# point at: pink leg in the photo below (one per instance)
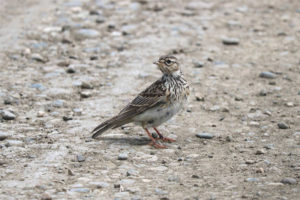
(153, 142)
(161, 137)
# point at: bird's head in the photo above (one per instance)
(168, 65)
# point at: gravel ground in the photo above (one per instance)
(68, 65)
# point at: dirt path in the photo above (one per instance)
(66, 66)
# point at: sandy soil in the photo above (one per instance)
(68, 65)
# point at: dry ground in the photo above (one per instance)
(68, 65)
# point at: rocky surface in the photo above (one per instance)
(65, 66)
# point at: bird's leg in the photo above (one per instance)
(153, 142)
(161, 137)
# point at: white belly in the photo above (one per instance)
(156, 116)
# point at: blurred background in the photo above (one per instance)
(67, 65)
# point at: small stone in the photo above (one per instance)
(289, 104)
(215, 108)
(99, 184)
(70, 70)
(230, 41)
(160, 191)
(290, 181)
(46, 197)
(198, 64)
(260, 170)
(269, 146)
(38, 86)
(85, 94)
(132, 172)
(249, 162)
(40, 113)
(80, 190)
(63, 63)
(70, 173)
(80, 158)
(67, 118)
(16, 143)
(38, 57)
(205, 135)
(260, 152)
(3, 136)
(10, 100)
(173, 179)
(269, 75)
(85, 85)
(195, 176)
(7, 115)
(123, 156)
(58, 103)
(82, 34)
(282, 125)
(252, 180)
(229, 138)
(199, 98)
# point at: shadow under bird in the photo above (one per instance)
(156, 104)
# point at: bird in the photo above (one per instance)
(156, 104)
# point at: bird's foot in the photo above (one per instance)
(165, 139)
(156, 145)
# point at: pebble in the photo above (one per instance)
(290, 104)
(198, 64)
(215, 108)
(160, 191)
(260, 152)
(38, 57)
(46, 197)
(249, 162)
(290, 181)
(80, 190)
(230, 41)
(70, 70)
(252, 180)
(3, 136)
(99, 184)
(205, 135)
(16, 143)
(123, 156)
(195, 176)
(58, 103)
(7, 115)
(85, 85)
(269, 75)
(282, 125)
(80, 158)
(40, 113)
(173, 179)
(37, 86)
(85, 94)
(82, 34)
(67, 118)
(132, 172)
(10, 100)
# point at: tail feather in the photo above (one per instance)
(114, 122)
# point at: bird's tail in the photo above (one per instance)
(111, 123)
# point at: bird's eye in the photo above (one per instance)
(168, 62)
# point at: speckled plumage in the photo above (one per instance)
(156, 104)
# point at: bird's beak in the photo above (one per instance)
(156, 63)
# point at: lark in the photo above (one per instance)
(156, 104)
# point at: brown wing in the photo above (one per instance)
(153, 95)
